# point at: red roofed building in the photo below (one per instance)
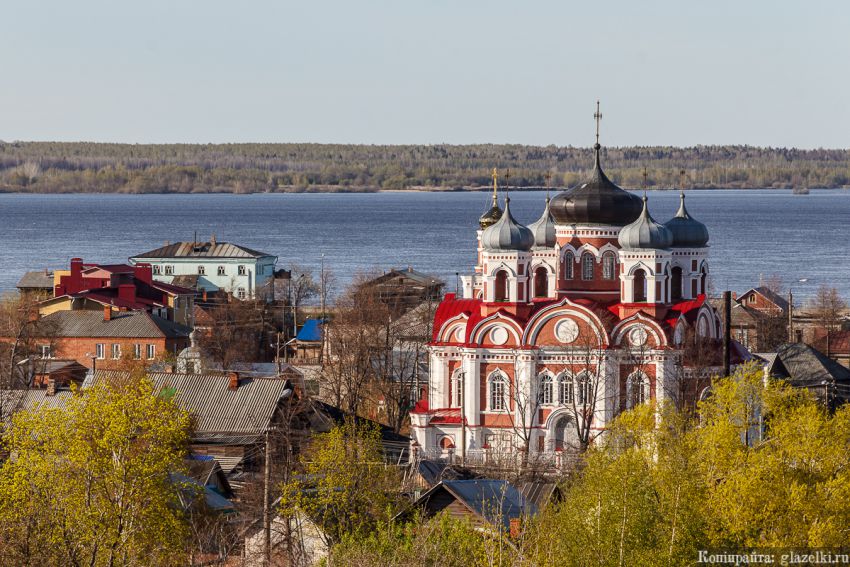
(119, 287)
(565, 323)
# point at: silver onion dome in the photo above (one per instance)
(687, 231)
(544, 229)
(507, 234)
(645, 233)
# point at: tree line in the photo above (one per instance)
(84, 167)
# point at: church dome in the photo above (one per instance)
(492, 215)
(596, 201)
(544, 229)
(645, 233)
(507, 234)
(687, 231)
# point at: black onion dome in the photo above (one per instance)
(544, 229)
(492, 215)
(687, 231)
(507, 234)
(645, 233)
(597, 201)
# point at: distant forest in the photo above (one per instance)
(81, 167)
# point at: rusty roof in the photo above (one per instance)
(202, 250)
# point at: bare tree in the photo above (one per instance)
(828, 307)
(587, 390)
(236, 333)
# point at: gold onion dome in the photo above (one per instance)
(645, 233)
(687, 231)
(507, 234)
(492, 216)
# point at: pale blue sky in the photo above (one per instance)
(437, 71)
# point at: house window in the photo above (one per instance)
(457, 389)
(241, 293)
(241, 270)
(565, 389)
(585, 389)
(156, 269)
(100, 351)
(169, 270)
(45, 351)
(137, 351)
(151, 351)
(587, 266)
(636, 390)
(609, 266)
(116, 351)
(569, 261)
(545, 397)
(498, 392)
(202, 270)
(221, 270)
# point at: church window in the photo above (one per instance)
(498, 392)
(501, 286)
(565, 389)
(587, 266)
(636, 390)
(609, 266)
(541, 282)
(545, 397)
(703, 280)
(585, 389)
(676, 283)
(457, 389)
(639, 283)
(569, 260)
(561, 433)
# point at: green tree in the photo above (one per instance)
(89, 484)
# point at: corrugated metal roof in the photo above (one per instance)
(221, 414)
(496, 500)
(201, 250)
(132, 324)
(36, 280)
(12, 401)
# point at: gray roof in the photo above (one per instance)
(645, 233)
(12, 401)
(507, 233)
(497, 501)
(544, 229)
(687, 231)
(201, 250)
(128, 324)
(222, 415)
(36, 280)
(804, 366)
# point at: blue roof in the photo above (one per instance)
(496, 500)
(311, 331)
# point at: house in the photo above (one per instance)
(215, 266)
(308, 342)
(493, 506)
(803, 366)
(36, 286)
(58, 372)
(834, 344)
(120, 287)
(404, 289)
(763, 299)
(106, 339)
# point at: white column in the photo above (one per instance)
(472, 390)
(526, 389)
(437, 381)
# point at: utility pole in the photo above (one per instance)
(277, 354)
(267, 524)
(727, 332)
(790, 317)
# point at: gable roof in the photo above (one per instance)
(311, 331)
(202, 250)
(410, 274)
(222, 414)
(129, 324)
(36, 280)
(769, 294)
(804, 366)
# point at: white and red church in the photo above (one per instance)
(577, 316)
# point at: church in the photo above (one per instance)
(564, 323)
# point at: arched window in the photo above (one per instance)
(457, 389)
(676, 284)
(565, 389)
(545, 395)
(587, 266)
(447, 443)
(585, 392)
(637, 387)
(703, 280)
(609, 266)
(639, 284)
(541, 282)
(498, 392)
(501, 286)
(569, 264)
(561, 427)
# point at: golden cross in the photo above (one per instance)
(495, 177)
(598, 116)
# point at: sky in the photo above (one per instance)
(767, 73)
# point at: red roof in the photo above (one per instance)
(445, 416)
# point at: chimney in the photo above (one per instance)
(516, 527)
(107, 313)
(212, 240)
(234, 381)
(127, 292)
(51, 387)
(205, 296)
